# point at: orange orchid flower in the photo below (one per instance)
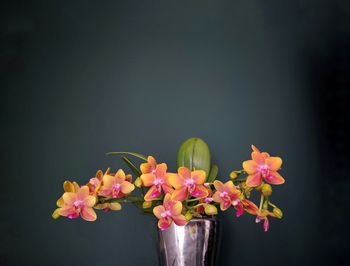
(67, 187)
(168, 212)
(79, 202)
(187, 183)
(228, 195)
(262, 214)
(116, 186)
(262, 166)
(154, 176)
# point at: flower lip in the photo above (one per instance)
(166, 213)
(158, 181)
(189, 182)
(223, 194)
(116, 186)
(78, 203)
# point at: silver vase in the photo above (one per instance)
(194, 244)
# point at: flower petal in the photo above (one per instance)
(274, 163)
(88, 214)
(274, 178)
(179, 194)
(90, 201)
(167, 189)
(120, 175)
(175, 207)
(148, 179)
(69, 198)
(177, 181)
(258, 157)
(250, 207)
(164, 223)
(216, 197)
(99, 175)
(184, 172)
(152, 193)
(108, 181)
(70, 212)
(126, 187)
(198, 176)
(60, 202)
(254, 180)
(83, 192)
(161, 170)
(230, 187)
(68, 186)
(149, 166)
(179, 220)
(255, 148)
(250, 166)
(200, 191)
(219, 186)
(158, 210)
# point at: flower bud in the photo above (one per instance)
(266, 205)
(147, 204)
(233, 175)
(188, 215)
(277, 212)
(266, 190)
(138, 182)
(210, 209)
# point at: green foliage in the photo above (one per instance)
(194, 154)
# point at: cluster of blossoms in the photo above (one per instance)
(176, 197)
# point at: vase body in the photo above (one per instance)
(194, 244)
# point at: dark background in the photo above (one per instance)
(80, 78)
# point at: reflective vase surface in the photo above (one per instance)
(194, 244)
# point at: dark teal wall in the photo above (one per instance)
(80, 79)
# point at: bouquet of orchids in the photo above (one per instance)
(193, 191)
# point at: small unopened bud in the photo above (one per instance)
(278, 212)
(138, 182)
(147, 204)
(266, 190)
(188, 215)
(233, 175)
(210, 210)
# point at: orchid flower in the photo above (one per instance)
(262, 166)
(116, 186)
(168, 212)
(154, 176)
(262, 214)
(67, 187)
(187, 183)
(78, 203)
(228, 195)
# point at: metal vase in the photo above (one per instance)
(194, 244)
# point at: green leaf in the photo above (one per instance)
(132, 167)
(213, 173)
(194, 154)
(138, 155)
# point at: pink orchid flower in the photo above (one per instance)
(168, 212)
(157, 181)
(228, 195)
(78, 203)
(187, 183)
(116, 186)
(262, 166)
